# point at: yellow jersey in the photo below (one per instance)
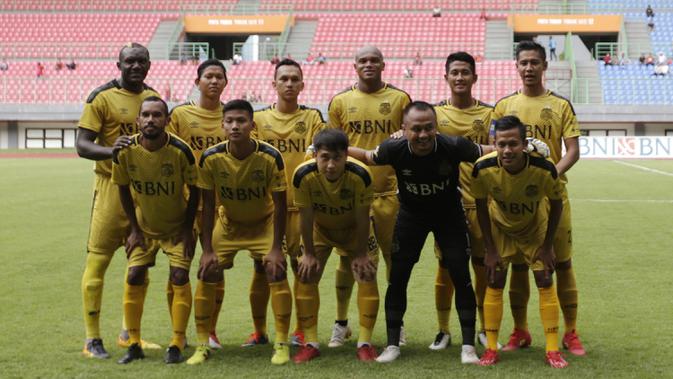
(515, 199)
(333, 203)
(201, 128)
(549, 118)
(368, 119)
(111, 111)
(243, 187)
(472, 123)
(291, 134)
(157, 180)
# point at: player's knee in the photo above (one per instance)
(564, 265)
(179, 276)
(541, 281)
(212, 275)
(259, 266)
(277, 276)
(499, 280)
(136, 275)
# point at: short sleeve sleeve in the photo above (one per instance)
(382, 154)
(477, 186)
(334, 112)
(205, 176)
(468, 151)
(93, 115)
(365, 194)
(278, 182)
(302, 193)
(570, 125)
(189, 170)
(119, 173)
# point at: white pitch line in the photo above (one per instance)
(651, 201)
(643, 168)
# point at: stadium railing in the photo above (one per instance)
(89, 50)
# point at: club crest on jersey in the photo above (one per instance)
(385, 108)
(193, 124)
(167, 169)
(345, 194)
(300, 127)
(531, 190)
(258, 175)
(546, 113)
(478, 126)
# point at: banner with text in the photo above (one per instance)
(549, 23)
(257, 24)
(626, 147)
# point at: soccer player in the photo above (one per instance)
(248, 177)
(290, 128)
(427, 167)
(462, 115)
(550, 118)
(108, 119)
(152, 174)
(199, 123)
(515, 225)
(334, 194)
(369, 112)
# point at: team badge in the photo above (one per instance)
(167, 169)
(478, 126)
(546, 113)
(300, 127)
(345, 194)
(385, 108)
(258, 175)
(352, 109)
(531, 190)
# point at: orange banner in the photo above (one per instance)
(558, 23)
(254, 24)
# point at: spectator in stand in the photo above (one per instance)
(321, 58)
(237, 59)
(623, 60)
(59, 64)
(552, 49)
(650, 17)
(72, 65)
(641, 59)
(607, 59)
(417, 60)
(309, 59)
(437, 12)
(4, 66)
(39, 70)
(661, 67)
(275, 60)
(649, 60)
(408, 73)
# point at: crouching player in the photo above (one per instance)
(157, 166)
(514, 225)
(334, 194)
(248, 177)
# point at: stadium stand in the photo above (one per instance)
(635, 84)
(104, 6)
(401, 5)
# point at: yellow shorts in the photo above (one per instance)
(229, 238)
(147, 256)
(477, 247)
(109, 225)
(520, 249)
(292, 239)
(384, 212)
(563, 240)
(342, 240)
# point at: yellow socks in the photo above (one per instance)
(519, 292)
(281, 304)
(307, 301)
(567, 296)
(368, 307)
(204, 302)
(344, 287)
(219, 298)
(480, 290)
(92, 291)
(180, 309)
(144, 286)
(134, 300)
(549, 314)
(443, 297)
(492, 316)
(259, 299)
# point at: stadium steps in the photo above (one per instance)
(300, 39)
(161, 40)
(246, 7)
(638, 38)
(558, 77)
(499, 40)
(589, 85)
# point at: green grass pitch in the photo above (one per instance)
(623, 222)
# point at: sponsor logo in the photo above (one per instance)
(123, 111)
(352, 109)
(167, 169)
(193, 124)
(407, 172)
(268, 127)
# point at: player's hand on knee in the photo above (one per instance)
(363, 268)
(274, 263)
(134, 240)
(207, 264)
(548, 258)
(492, 262)
(309, 266)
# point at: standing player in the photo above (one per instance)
(156, 167)
(334, 194)
(427, 168)
(515, 225)
(462, 115)
(550, 118)
(108, 119)
(368, 112)
(199, 123)
(290, 128)
(248, 177)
